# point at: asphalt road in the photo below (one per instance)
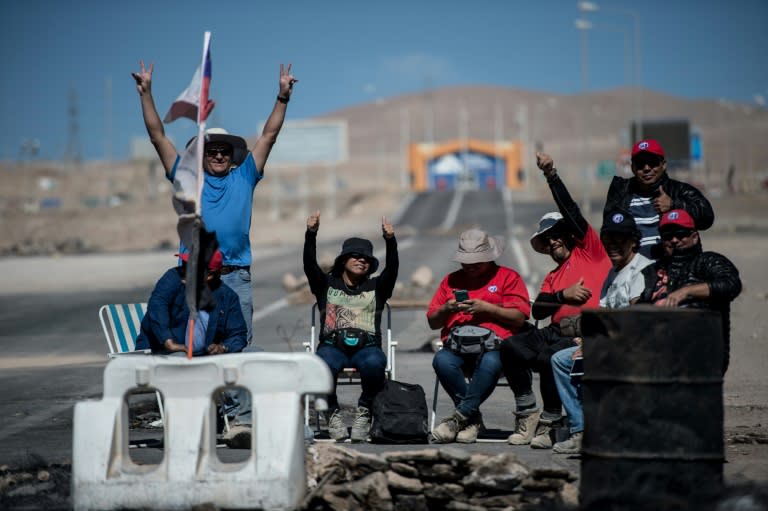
(54, 352)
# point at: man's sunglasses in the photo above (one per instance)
(650, 160)
(213, 151)
(549, 236)
(678, 233)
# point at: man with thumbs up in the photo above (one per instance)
(650, 193)
(582, 266)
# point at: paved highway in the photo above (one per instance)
(54, 352)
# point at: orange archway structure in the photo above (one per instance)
(472, 163)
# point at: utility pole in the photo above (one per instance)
(405, 140)
(108, 119)
(72, 154)
(498, 135)
(429, 114)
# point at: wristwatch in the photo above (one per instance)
(283, 99)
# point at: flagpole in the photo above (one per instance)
(202, 112)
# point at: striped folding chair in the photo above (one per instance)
(121, 324)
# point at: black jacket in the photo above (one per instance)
(696, 267)
(321, 284)
(683, 195)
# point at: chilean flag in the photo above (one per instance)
(193, 103)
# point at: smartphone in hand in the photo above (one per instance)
(461, 295)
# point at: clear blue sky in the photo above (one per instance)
(346, 52)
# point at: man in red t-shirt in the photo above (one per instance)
(582, 266)
(474, 308)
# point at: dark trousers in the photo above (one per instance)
(532, 350)
(371, 362)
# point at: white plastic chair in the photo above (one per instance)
(121, 324)
(349, 375)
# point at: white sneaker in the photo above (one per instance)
(336, 428)
(362, 425)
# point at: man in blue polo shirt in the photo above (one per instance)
(231, 175)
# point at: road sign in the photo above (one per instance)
(311, 142)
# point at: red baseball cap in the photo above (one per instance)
(213, 265)
(678, 217)
(648, 146)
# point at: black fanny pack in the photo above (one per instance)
(350, 339)
(471, 340)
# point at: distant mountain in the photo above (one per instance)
(578, 130)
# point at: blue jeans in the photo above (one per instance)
(237, 403)
(484, 372)
(568, 387)
(240, 282)
(371, 362)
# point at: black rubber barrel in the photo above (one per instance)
(653, 409)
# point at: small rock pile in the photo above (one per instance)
(35, 485)
(445, 478)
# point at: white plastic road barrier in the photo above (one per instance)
(190, 474)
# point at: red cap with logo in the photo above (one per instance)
(678, 217)
(648, 146)
(213, 265)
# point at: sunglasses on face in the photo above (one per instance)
(679, 234)
(213, 151)
(546, 238)
(357, 256)
(651, 161)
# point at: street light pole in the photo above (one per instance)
(587, 7)
(583, 26)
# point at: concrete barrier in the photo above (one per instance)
(190, 474)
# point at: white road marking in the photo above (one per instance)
(269, 309)
(453, 210)
(523, 266)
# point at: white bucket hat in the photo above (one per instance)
(547, 222)
(475, 246)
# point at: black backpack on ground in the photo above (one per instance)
(400, 414)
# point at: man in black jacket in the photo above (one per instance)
(651, 192)
(686, 276)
